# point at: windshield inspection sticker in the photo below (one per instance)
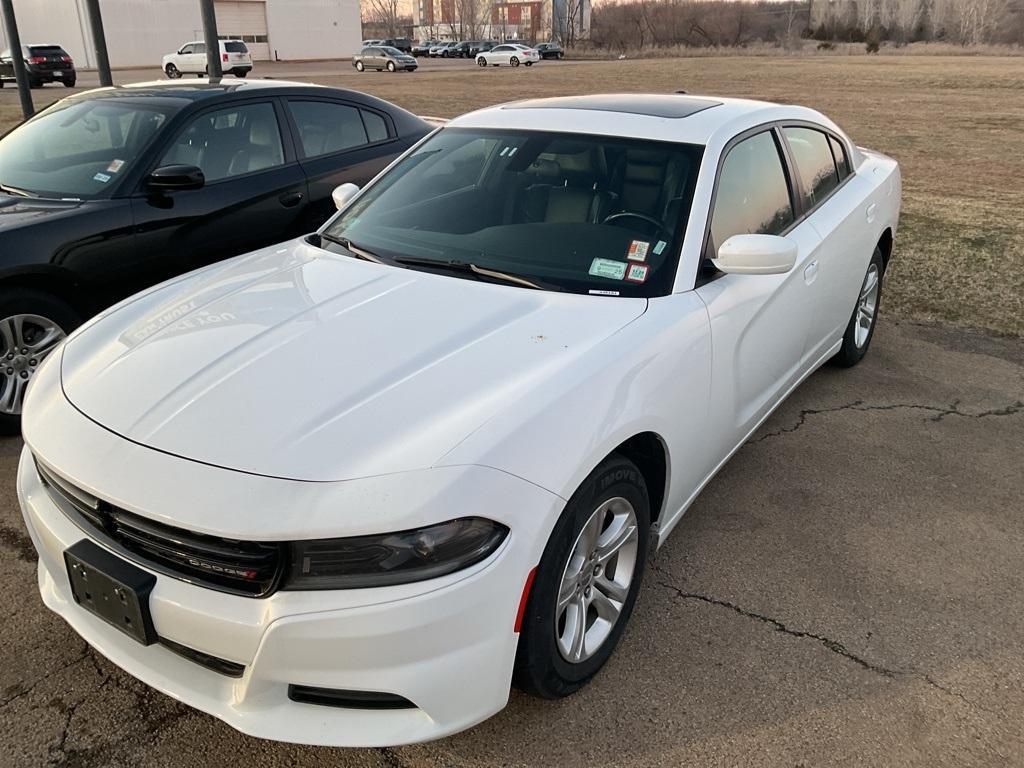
(659, 247)
(115, 165)
(637, 250)
(637, 273)
(613, 270)
(101, 177)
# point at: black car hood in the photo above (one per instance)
(18, 211)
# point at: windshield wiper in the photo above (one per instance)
(16, 191)
(473, 269)
(348, 245)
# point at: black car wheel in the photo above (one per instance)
(32, 324)
(69, 82)
(528, 63)
(360, 66)
(241, 73)
(391, 66)
(514, 61)
(482, 61)
(172, 72)
(586, 582)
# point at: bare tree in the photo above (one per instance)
(384, 14)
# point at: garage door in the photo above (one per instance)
(245, 20)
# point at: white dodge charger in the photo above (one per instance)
(346, 490)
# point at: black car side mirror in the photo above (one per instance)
(170, 177)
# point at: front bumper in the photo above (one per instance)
(448, 649)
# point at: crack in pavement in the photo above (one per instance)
(833, 646)
(19, 690)
(939, 413)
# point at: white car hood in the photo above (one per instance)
(297, 363)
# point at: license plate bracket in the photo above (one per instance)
(112, 589)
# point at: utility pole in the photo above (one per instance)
(213, 68)
(99, 42)
(17, 59)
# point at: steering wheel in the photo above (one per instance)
(659, 227)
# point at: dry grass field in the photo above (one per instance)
(956, 124)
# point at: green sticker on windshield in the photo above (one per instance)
(613, 270)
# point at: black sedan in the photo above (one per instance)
(110, 191)
(550, 51)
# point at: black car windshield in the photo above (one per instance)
(77, 149)
(587, 214)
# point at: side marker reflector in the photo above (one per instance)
(524, 598)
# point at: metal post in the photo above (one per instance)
(99, 42)
(213, 69)
(17, 59)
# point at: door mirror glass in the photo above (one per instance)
(756, 255)
(169, 177)
(342, 194)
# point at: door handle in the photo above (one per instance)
(290, 199)
(811, 272)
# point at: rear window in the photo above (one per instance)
(46, 50)
(235, 47)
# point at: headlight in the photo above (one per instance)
(393, 558)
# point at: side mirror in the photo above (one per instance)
(171, 177)
(343, 193)
(756, 255)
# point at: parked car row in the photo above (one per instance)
(470, 49)
(343, 488)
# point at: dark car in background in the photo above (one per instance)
(550, 50)
(460, 50)
(481, 46)
(113, 190)
(44, 63)
(381, 57)
(404, 44)
(423, 47)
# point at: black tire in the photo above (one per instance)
(482, 61)
(360, 66)
(852, 352)
(24, 301)
(528, 63)
(560, 56)
(1, 82)
(540, 667)
(241, 72)
(69, 82)
(514, 61)
(391, 66)
(172, 72)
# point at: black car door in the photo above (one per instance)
(338, 142)
(254, 193)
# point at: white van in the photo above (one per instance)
(190, 59)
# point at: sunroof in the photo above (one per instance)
(654, 105)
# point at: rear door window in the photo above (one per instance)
(326, 127)
(814, 163)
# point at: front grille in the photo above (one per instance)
(241, 567)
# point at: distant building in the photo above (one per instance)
(139, 32)
(528, 20)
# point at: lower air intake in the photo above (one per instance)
(333, 697)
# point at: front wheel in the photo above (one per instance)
(481, 62)
(360, 66)
(861, 328)
(391, 66)
(586, 582)
(32, 324)
(172, 72)
(514, 61)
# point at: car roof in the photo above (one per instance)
(197, 90)
(658, 117)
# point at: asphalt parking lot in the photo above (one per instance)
(848, 591)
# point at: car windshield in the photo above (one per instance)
(77, 149)
(587, 214)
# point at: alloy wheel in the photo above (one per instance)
(596, 580)
(867, 306)
(26, 340)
